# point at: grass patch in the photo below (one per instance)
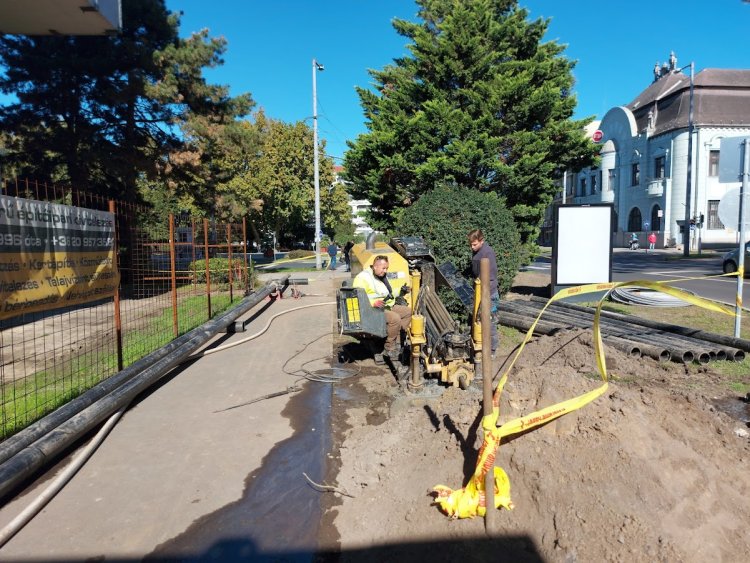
(693, 255)
(28, 399)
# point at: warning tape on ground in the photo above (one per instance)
(470, 500)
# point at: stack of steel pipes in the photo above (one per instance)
(633, 335)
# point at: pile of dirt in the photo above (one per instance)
(650, 471)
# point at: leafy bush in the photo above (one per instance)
(219, 270)
(300, 254)
(444, 217)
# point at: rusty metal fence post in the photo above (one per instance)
(229, 260)
(173, 276)
(244, 254)
(208, 271)
(118, 318)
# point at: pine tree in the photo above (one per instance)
(481, 102)
(104, 112)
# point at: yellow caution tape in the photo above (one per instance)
(470, 500)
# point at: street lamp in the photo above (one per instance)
(316, 66)
(688, 189)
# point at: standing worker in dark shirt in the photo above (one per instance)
(482, 249)
(347, 259)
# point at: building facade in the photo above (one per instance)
(644, 163)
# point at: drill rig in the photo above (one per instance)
(437, 348)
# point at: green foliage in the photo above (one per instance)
(481, 102)
(444, 217)
(276, 183)
(103, 112)
(219, 270)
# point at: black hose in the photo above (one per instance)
(49, 437)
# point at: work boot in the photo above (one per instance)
(393, 353)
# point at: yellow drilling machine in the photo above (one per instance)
(436, 350)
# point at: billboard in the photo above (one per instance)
(582, 248)
(54, 255)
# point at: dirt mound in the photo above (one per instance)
(650, 471)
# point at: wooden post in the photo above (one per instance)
(485, 315)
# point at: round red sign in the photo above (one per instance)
(597, 136)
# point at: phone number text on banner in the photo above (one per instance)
(54, 256)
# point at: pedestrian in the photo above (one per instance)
(374, 281)
(348, 259)
(333, 250)
(651, 241)
(481, 249)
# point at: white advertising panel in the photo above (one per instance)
(583, 245)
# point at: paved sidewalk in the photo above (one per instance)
(177, 459)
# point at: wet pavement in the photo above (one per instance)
(185, 476)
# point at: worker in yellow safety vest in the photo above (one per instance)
(374, 281)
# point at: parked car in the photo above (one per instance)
(731, 259)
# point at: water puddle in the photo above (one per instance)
(737, 407)
(278, 517)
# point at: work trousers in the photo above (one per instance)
(399, 317)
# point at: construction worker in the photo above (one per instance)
(374, 281)
(481, 249)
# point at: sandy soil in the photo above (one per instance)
(650, 471)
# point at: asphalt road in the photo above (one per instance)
(670, 266)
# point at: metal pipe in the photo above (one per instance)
(173, 277)
(679, 344)
(609, 333)
(116, 304)
(740, 343)
(23, 454)
(629, 347)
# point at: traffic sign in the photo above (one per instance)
(646, 225)
(729, 209)
(597, 136)
(730, 159)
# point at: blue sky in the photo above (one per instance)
(271, 44)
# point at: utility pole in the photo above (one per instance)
(686, 234)
(315, 68)
(742, 226)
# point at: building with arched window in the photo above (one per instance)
(643, 169)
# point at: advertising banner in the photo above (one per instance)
(54, 256)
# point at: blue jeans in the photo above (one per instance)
(494, 308)
(333, 262)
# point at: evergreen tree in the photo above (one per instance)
(481, 102)
(102, 112)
